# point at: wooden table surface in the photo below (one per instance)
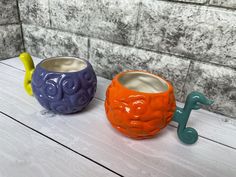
(35, 142)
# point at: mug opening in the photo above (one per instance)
(63, 64)
(143, 82)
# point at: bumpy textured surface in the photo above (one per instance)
(35, 12)
(224, 3)
(10, 41)
(218, 83)
(136, 114)
(105, 19)
(197, 32)
(45, 43)
(10, 31)
(8, 12)
(64, 93)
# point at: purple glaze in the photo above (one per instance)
(64, 92)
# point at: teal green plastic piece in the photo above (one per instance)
(194, 100)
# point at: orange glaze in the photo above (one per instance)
(136, 114)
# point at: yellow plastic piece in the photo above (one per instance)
(29, 69)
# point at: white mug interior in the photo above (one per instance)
(143, 82)
(63, 64)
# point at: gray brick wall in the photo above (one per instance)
(192, 31)
(10, 30)
(192, 43)
(224, 3)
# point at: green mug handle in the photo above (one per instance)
(189, 135)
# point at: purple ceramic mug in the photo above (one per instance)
(63, 85)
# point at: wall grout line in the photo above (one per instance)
(206, 4)
(67, 147)
(137, 23)
(182, 2)
(22, 36)
(21, 27)
(18, 10)
(185, 57)
(185, 80)
(222, 7)
(8, 24)
(49, 13)
(88, 52)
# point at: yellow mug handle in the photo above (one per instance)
(29, 69)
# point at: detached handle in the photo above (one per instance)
(29, 69)
(194, 100)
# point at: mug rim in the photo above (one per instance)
(169, 85)
(63, 57)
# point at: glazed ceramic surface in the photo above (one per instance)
(139, 104)
(63, 84)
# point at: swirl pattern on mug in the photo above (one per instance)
(64, 93)
(51, 90)
(138, 115)
(69, 85)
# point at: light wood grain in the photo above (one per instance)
(25, 153)
(90, 133)
(212, 126)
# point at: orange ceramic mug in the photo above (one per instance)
(139, 104)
